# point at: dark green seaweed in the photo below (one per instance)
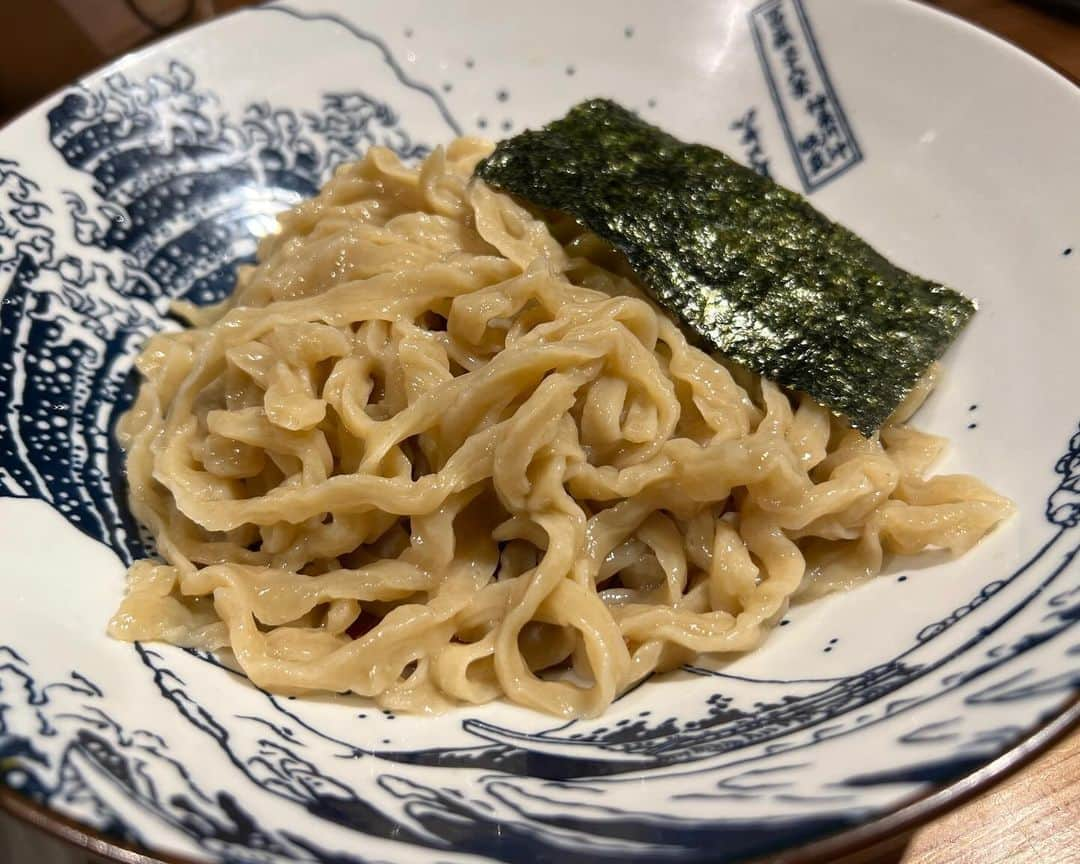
(750, 267)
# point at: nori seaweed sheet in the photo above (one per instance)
(751, 268)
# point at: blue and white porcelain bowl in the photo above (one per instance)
(952, 152)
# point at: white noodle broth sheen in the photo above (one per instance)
(435, 450)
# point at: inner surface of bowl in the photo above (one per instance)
(153, 180)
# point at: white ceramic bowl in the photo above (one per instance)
(952, 152)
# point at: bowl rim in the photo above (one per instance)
(858, 844)
(850, 846)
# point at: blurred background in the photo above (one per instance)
(1030, 819)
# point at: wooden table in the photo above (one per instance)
(1033, 818)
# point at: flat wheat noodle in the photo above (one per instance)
(436, 451)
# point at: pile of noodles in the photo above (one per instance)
(436, 450)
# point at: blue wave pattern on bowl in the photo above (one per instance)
(183, 194)
(183, 190)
